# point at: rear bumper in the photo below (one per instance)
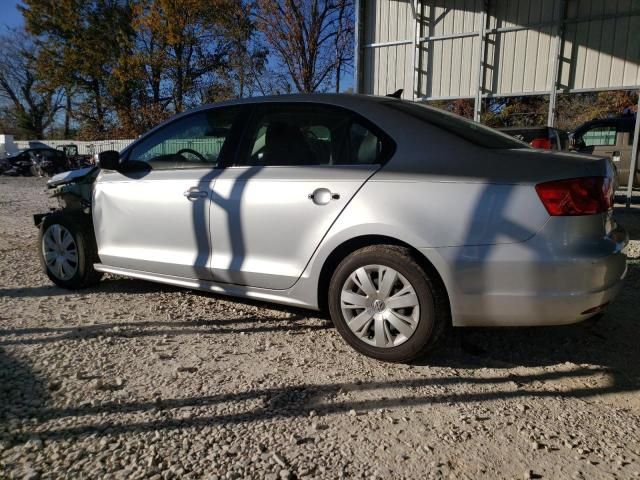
(526, 284)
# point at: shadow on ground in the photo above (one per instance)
(22, 393)
(605, 346)
(602, 347)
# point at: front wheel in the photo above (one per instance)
(67, 249)
(385, 305)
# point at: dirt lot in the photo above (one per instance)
(131, 380)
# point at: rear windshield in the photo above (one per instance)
(473, 132)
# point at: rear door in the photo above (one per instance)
(297, 168)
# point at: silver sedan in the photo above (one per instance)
(396, 218)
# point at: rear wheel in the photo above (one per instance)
(68, 250)
(385, 305)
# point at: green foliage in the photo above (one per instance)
(129, 64)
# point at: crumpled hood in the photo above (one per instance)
(71, 176)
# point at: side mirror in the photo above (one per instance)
(109, 160)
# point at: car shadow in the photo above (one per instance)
(580, 354)
(106, 286)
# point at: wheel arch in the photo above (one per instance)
(347, 247)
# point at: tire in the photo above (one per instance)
(76, 231)
(412, 285)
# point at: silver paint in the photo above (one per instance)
(472, 212)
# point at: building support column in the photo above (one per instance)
(634, 155)
(417, 16)
(553, 89)
(477, 104)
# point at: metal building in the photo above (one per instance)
(452, 49)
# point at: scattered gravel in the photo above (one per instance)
(132, 379)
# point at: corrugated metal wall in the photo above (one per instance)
(439, 54)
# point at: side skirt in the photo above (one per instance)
(273, 296)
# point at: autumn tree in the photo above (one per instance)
(187, 44)
(29, 105)
(80, 43)
(312, 39)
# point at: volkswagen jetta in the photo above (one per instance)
(397, 218)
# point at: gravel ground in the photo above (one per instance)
(131, 379)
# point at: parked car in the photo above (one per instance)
(610, 137)
(37, 161)
(397, 218)
(546, 138)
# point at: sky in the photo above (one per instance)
(11, 17)
(9, 14)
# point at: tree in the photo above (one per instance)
(29, 104)
(344, 40)
(575, 109)
(311, 39)
(187, 44)
(80, 42)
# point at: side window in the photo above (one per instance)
(307, 134)
(191, 142)
(598, 136)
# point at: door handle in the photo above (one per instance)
(322, 196)
(194, 194)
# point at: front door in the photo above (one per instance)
(299, 166)
(157, 219)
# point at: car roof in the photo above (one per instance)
(617, 121)
(539, 127)
(347, 100)
(45, 147)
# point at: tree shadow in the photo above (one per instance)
(22, 393)
(247, 325)
(581, 353)
(297, 401)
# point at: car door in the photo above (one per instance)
(153, 216)
(602, 139)
(297, 168)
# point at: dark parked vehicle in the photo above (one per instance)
(547, 138)
(38, 161)
(74, 158)
(609, 137)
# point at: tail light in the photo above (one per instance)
(543, 143)
(577, 196)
